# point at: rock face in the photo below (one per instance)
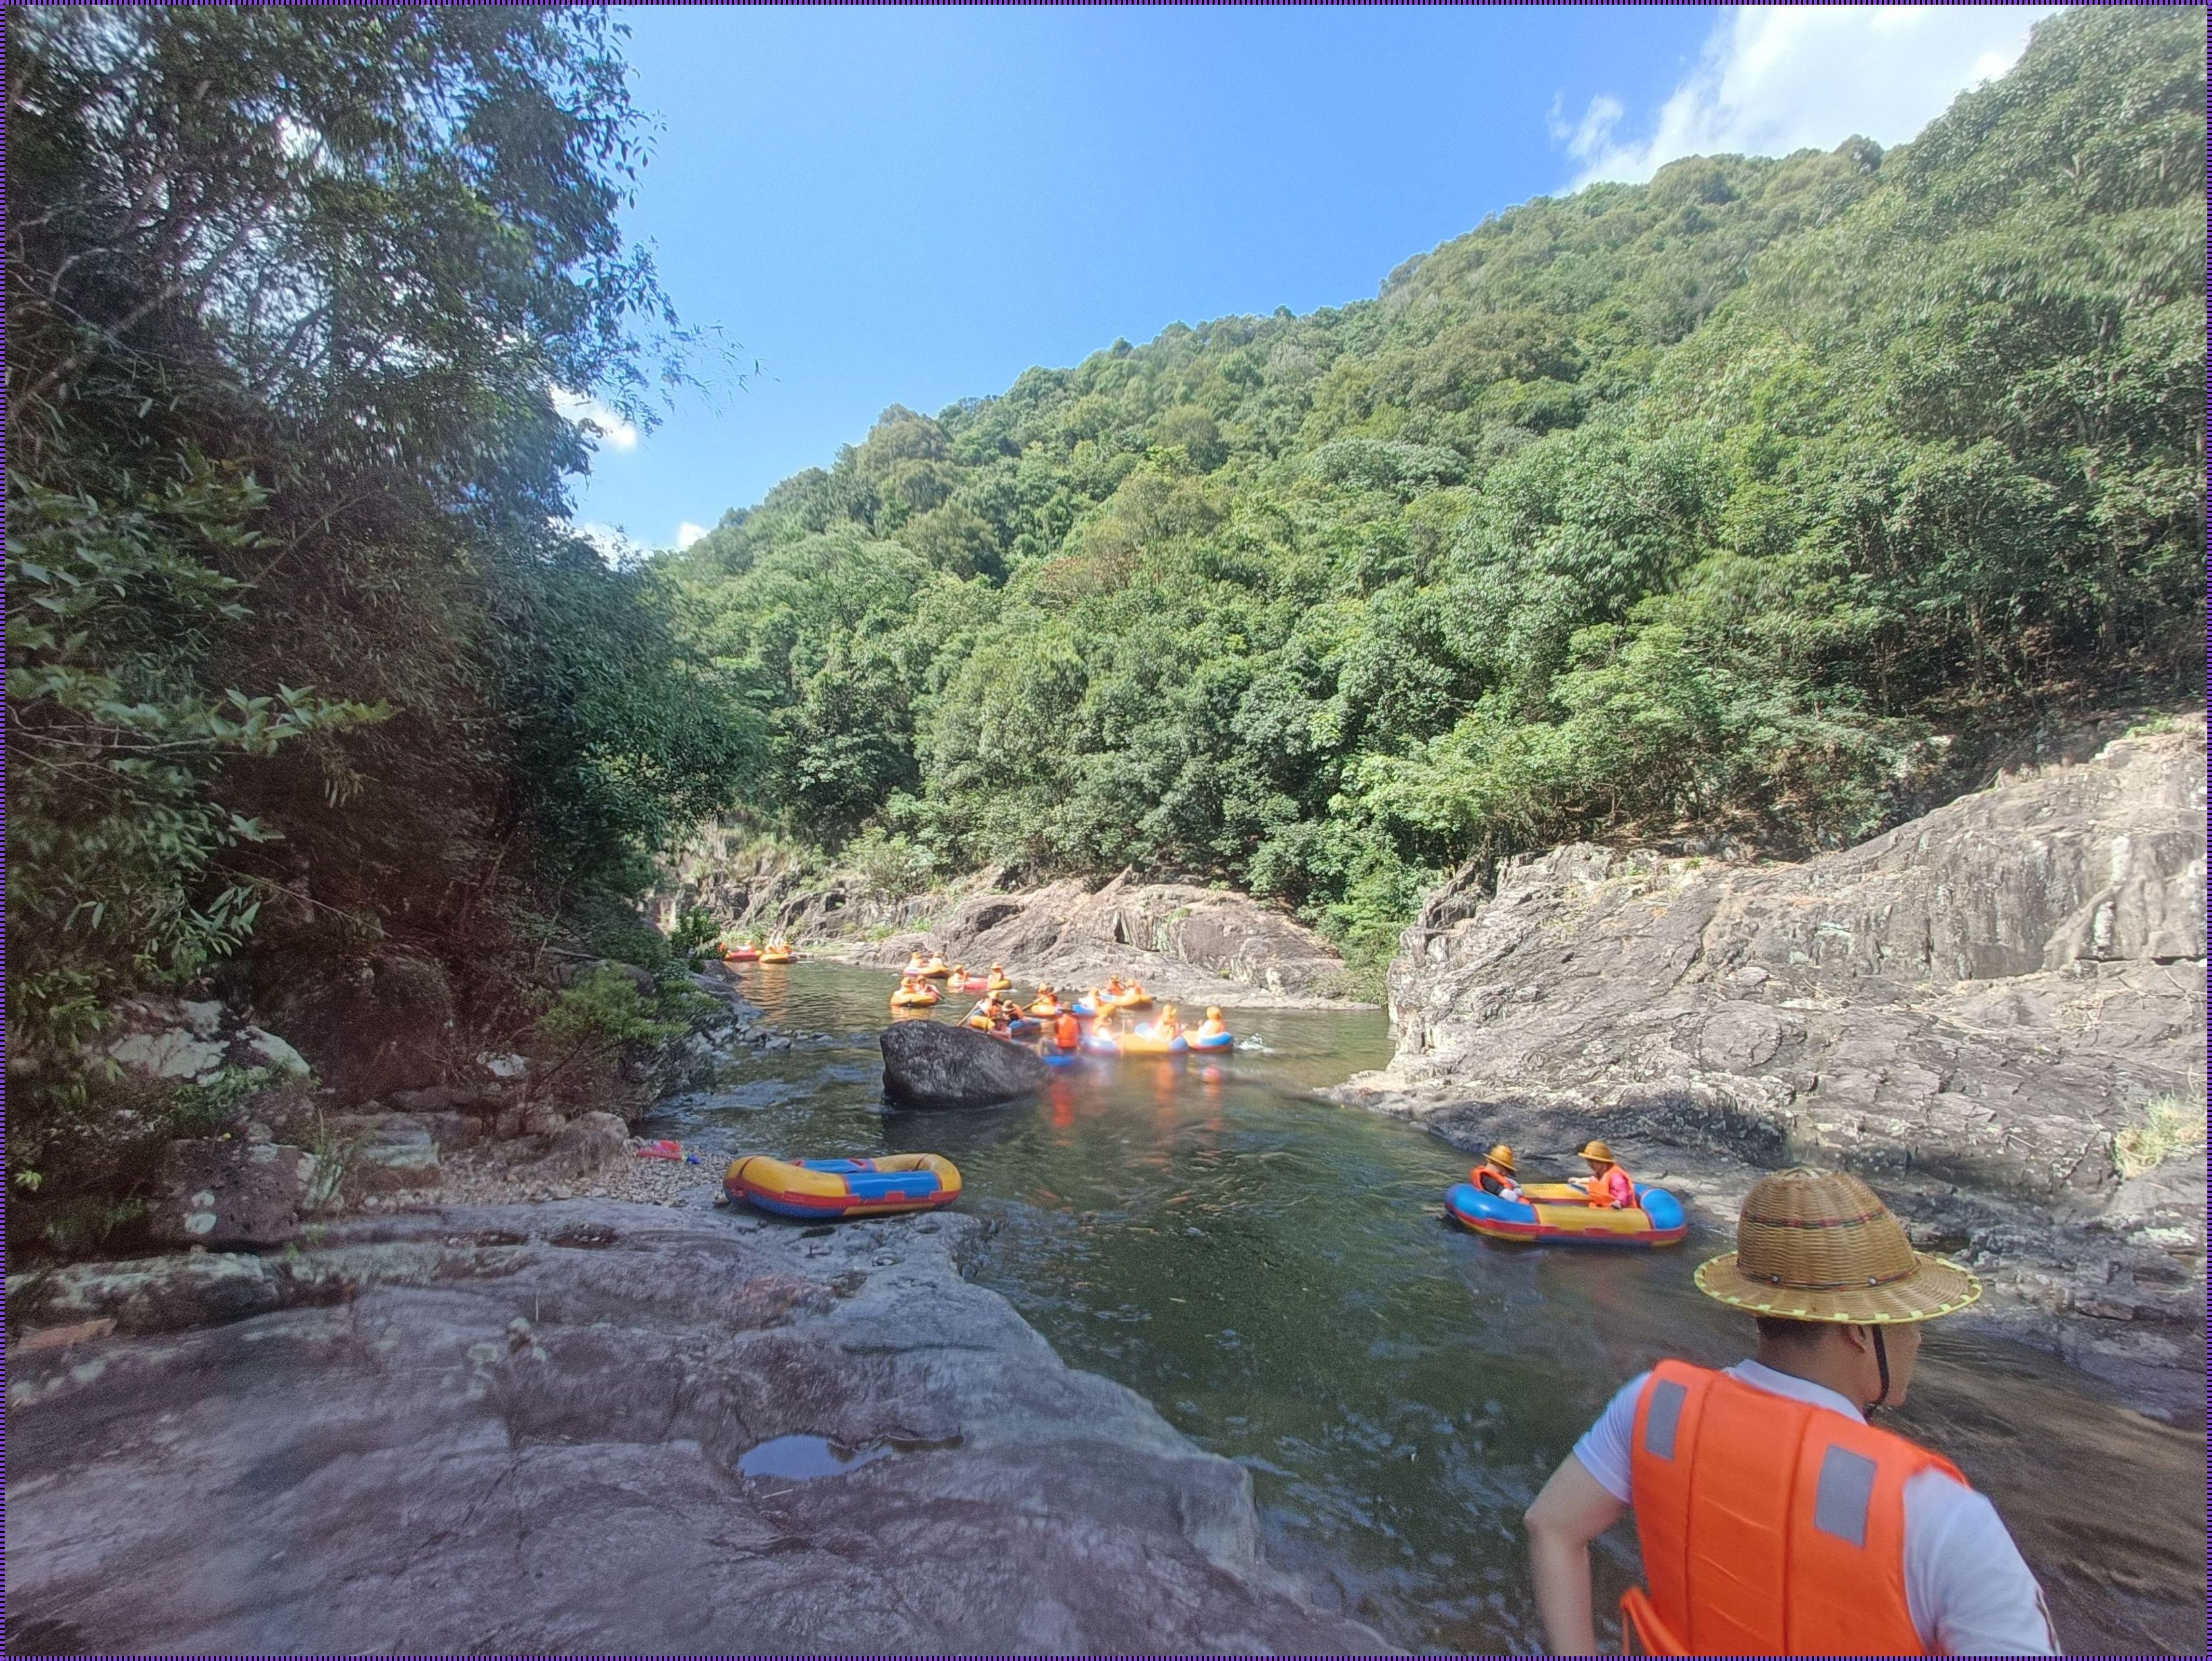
(1968, 1010)
(225, 1192)
(1191, 944)
(558, 1430)
(927, 1065)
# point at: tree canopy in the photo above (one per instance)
(301, 660)
(1718, 503)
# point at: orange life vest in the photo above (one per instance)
(1601, 1188)
(1489, 1178)
(1769, 1526)
(1067, 1032)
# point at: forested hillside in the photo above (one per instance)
(1719, 506)
(307, 691)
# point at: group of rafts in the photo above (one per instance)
(1607, 1207)
(749, 950)
(1063, 1030)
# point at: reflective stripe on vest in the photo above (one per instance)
(1768, 1525)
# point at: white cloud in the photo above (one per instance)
(688, 533)
(1774, 79)
(601, 418)
(1591, 134)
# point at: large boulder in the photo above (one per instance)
(585, 1145)
(220, 1191)
(926, 1064)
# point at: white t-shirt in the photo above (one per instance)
(1969, 1591)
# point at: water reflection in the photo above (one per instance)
(1273, 1273)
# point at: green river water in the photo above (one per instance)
(1273, 1273)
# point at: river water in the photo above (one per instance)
(1273, 1271)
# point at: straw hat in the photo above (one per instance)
(1819, 1246)
(1501, 1156)
(1598, 1150)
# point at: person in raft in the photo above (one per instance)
(1773, 1519)
(1494, 1175)
(1213, 1026)
(1608, 1183)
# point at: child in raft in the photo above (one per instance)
(1495, 1174)
(1213, 1026)
(1608, 1184)
(914, 964)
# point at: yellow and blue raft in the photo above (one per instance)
(835, 1188)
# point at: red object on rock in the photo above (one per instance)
(662, 1149)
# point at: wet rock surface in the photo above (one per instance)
(928, 1064)
(1995, 1013)
(521, 1429)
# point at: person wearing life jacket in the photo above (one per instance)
(1213, 1026)
(1608, 1183)
(1047, 1005)
(1773, 1519)
(1067, 1030)
(1170, 1027)
(999, 982)
(1494, 1175)
(915, 963)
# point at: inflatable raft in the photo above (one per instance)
(741, 954)
(831, 1188)
(1216, 1041)
(1558, 1214)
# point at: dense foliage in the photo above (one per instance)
(1718, 503)
(300, 669)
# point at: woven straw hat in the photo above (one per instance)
(1598, 1150)
(1501, 1156)
(1819, 1246)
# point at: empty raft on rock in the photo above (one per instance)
(844, 1187)
(1558, 1214)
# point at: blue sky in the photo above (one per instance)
(911, 207)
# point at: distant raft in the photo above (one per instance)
(1557, 1213)
(835, 1188)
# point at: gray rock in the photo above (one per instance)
(256, 1047)
(170, 1052)
(929, 1064)
(584, 1145)
(386, 1151)
(559, 1412)
(1965, 1010)
(225, 1192)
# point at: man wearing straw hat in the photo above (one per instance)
(1773, 1519)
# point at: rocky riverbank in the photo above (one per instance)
(595, 1425)
(1192, 945)
(1996, 1013)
